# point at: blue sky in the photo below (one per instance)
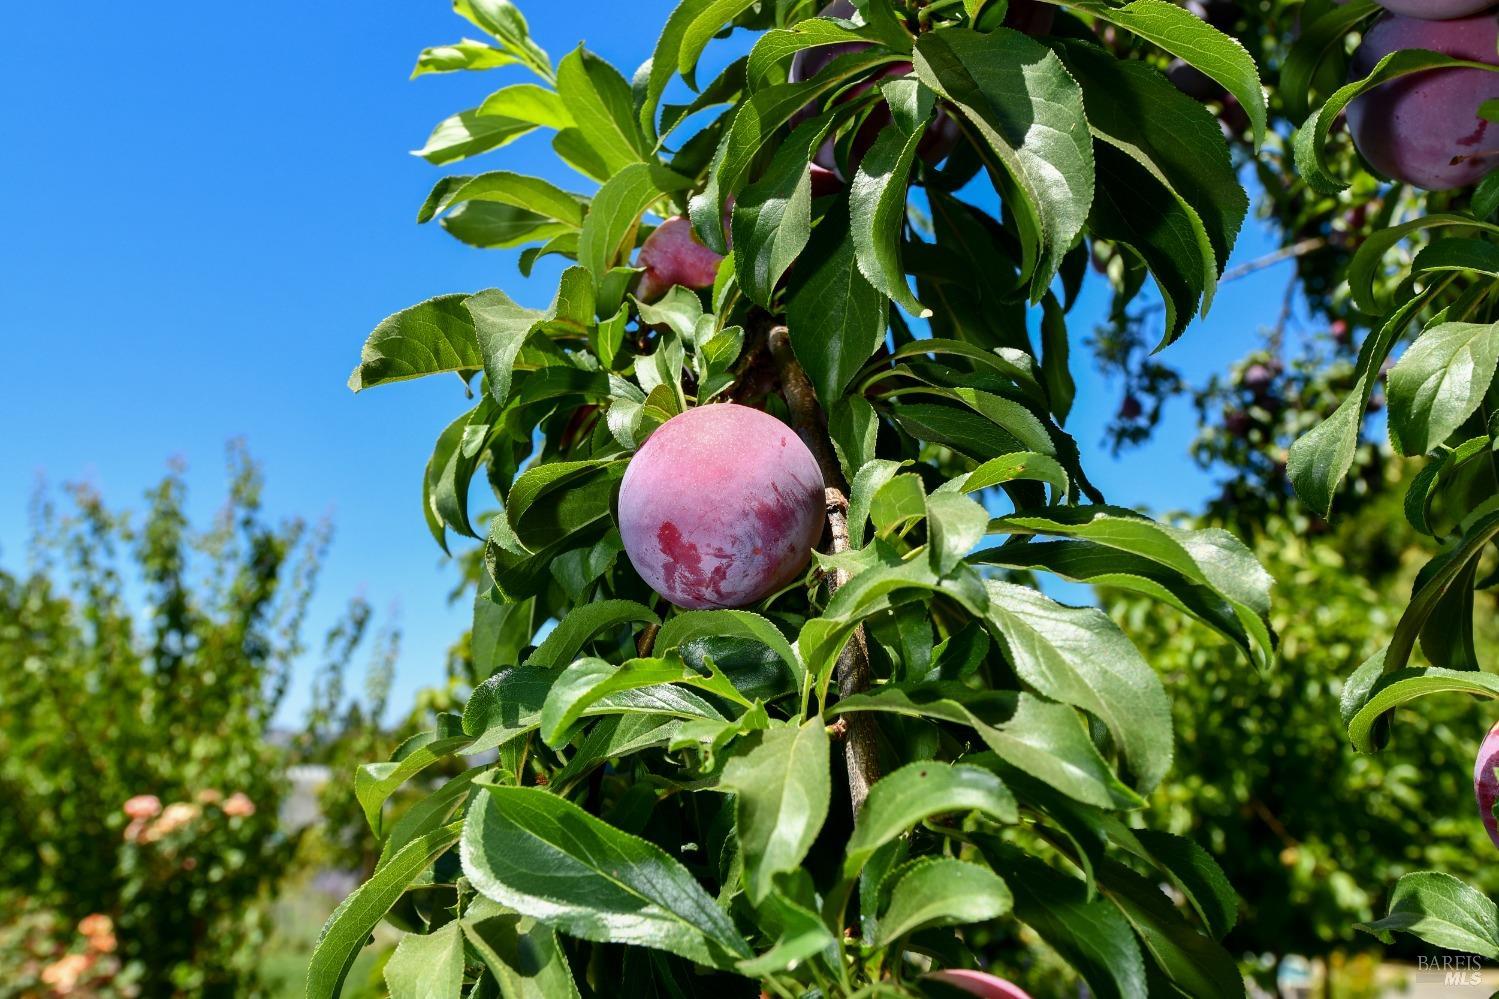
(205, 211)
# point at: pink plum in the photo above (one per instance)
(673, 255)
(979, 983)
(1424, 128)
(1435, 10)
(1485, 784)
(721, 507)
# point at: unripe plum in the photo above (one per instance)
(672, 255)
(1435, 10)
(979, 983)
(1485, 784)
(1424, 128)
(721, 507)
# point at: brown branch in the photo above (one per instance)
(853, 673)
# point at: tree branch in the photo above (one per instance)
(853, 673)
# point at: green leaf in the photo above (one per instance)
(1442, 911)
(1440, 382)
(1028, 112)
(1320, 458)
(599, 100)
(1320, 37)
(772, 219)
(503, 187)
(1310, 141)
(1210, 558)
(1365, 267)
(525, 539)
(774, 49)
(897, 503)
(941, 891)
(464, 55)
(877, 196)
(1078, 656)
(545, 857)
(1196, 875)
(433, 337)
(836, 317)
(528, 102)
(954, 525)
(854, 428)
(1194, 962)
(685, 626)
(1132, 207)
(1092, 935)
(1458, 254)
(489, 226)
(427, 814)
(581, 623)
(682, 41)
(427, 967)
(1046, 740)
(916, 792)
(349, 928)
(501, 328)
(1177, 141)
(521, 953)
(781, 789)
(1405, 685)
(469, 133)
(867, 483)
(1193, 41)
(505, 22)
(609, 230)
(589, 682)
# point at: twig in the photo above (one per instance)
(1297, 249)
(853, 673)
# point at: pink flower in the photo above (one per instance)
(239, 806)
(143, 806)
(980, 983)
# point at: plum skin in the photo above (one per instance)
(979, 983)
(721, 507)
(672, 255)
(1435, 10)
(1424, 128)
(1485, 783)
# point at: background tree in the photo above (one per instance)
(889, 765)
(141, 666)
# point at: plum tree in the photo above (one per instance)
(1424, 128)
(673, 255)
(1029, 16)
(720, 507)
(1486, 783)
(1435, 10)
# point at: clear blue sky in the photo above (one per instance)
(205, 211)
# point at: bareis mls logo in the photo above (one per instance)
(1451, 969)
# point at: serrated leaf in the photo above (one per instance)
(1078, 656)
(772, 219)
(836, 318)
(427, 966)
(521, 953)
(942, 891)
(463, 55)
(1040, 140)
(601, 105)
(532, 194)
(1406, 685)
(469, 133)
(609, 229)
(432, 337)
(781, 789)
(1439, 382)
(1442, 911)
(1193, 41)
(528, 102)
(545, 857)
(877, 196)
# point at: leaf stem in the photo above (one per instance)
(852, 670)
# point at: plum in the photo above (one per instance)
(1257, 377)
(979, 983)
(673, 255)
(1485, 784)
(1435, 10)
(1424, 128)
(721, 507)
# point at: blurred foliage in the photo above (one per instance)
(1308, 830)
(141, 666)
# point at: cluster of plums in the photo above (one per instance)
(1424, 128)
